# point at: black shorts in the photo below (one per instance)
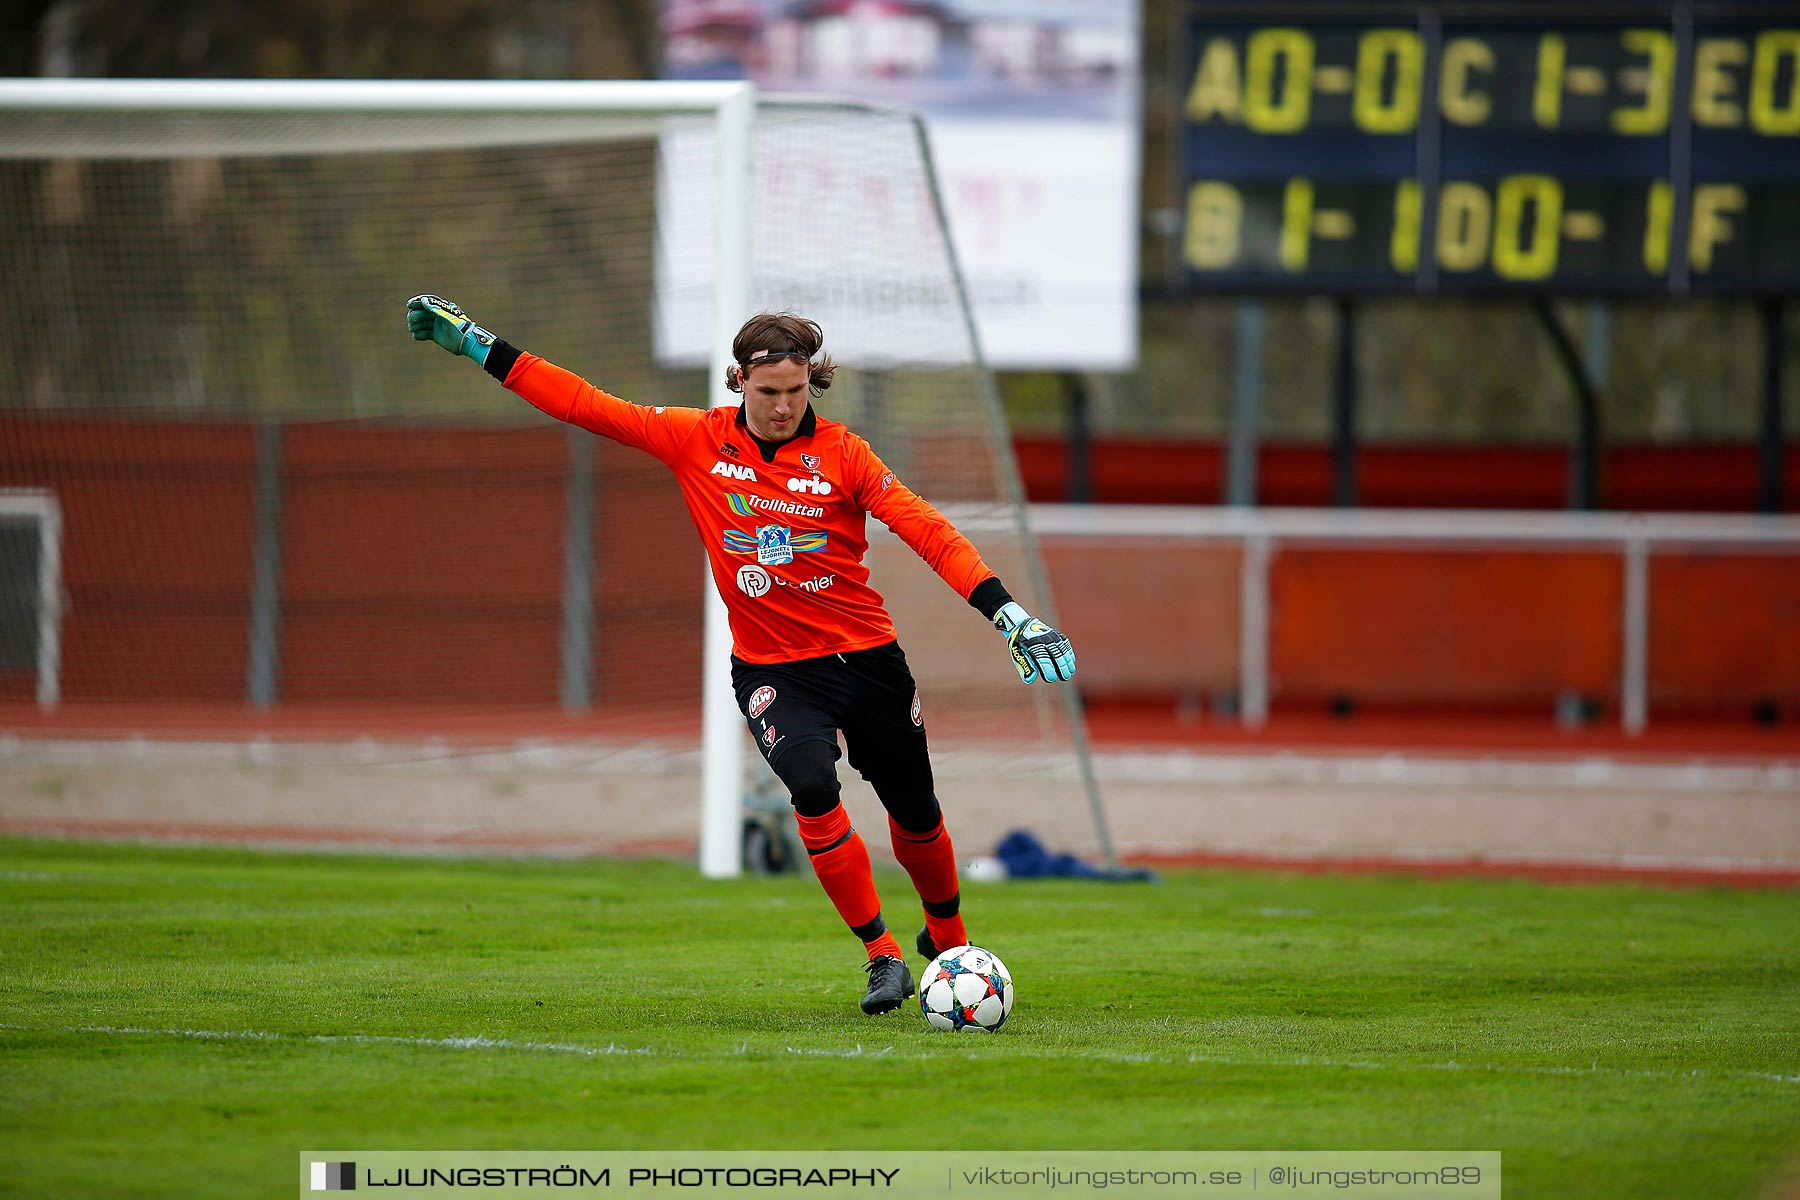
(868, 694)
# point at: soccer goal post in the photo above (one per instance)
(277, 500)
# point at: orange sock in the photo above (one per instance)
(841, 861)
(885, 945)
(930, 861)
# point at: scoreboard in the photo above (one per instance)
(1601, 149)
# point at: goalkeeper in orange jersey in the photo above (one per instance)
(780, 497)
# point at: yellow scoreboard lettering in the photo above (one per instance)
(1585, 107)
(1713, 205)
(1399, 112)
(1659, 213)
(1403, 246)
(1296, 224)
(1775, 110)
(1283, 108)
(1457, 96)
(1658, 74)
(1215, 220)
(1464, 219)
(1217, 84)
(1715, 91)
(1543, 196)
(1546, 95)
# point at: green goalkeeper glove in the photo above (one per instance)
(435, 319)
(1038, 651)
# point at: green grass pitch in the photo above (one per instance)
(182, 1022)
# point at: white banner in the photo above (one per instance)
(1032, 107)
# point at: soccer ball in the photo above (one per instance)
(966, 988)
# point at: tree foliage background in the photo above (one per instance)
(1428, 371)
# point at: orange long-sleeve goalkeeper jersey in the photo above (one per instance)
(785, 536)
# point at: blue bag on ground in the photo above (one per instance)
(1026, 858)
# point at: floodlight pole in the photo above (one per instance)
(1771, 443)
(1343, 408)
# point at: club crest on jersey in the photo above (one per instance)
(769, 737)
(887, 480)
(774, 545)
(918, 712)
(810, 461)
(760, 700)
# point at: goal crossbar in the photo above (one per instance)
(425, 97)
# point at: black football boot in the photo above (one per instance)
(890, 983)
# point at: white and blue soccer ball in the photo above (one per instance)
(966, 988)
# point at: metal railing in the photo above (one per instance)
(1257, 531)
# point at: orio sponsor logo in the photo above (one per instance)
(754, 581)
(762, 697)
(918, 711)
(732, 470)
(814, 486)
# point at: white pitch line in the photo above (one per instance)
(455, 1043)
(854, 1053)
(1493, 1068)
(743, 1049)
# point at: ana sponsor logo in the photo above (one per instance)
(762, 697)
(753, 581)
(918, 713)
(815, 486)
(732, 470)
(810, 461)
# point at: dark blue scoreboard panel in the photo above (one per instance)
(1604, 149)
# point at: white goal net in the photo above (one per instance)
(284, 518)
